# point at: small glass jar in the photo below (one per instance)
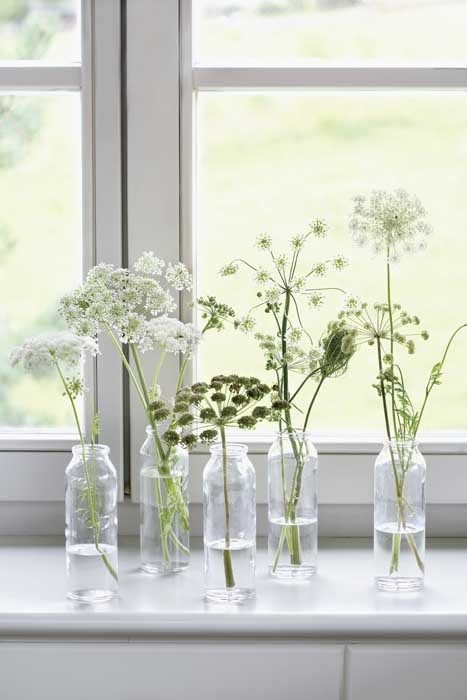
(164, 515)
(399, 517)
(293, 505)
(229, 488)
(91, 524)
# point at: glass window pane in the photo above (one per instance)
(40, 30)
(274, 162)
(336, 31)
(40, 241)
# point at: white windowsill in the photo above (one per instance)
(339, 603)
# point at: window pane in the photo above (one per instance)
(274, 162)
(345, 31)
(40, 241)
(40, 29)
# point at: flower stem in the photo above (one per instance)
(90, 488)
(228, 568)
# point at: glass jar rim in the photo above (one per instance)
(232, 448)
(405, 443)
(89, 449)
(294, 431)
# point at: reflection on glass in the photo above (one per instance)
(345, 31)
(40, 241)
(40, 30)
(274, 162)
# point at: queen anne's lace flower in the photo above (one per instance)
(124, 301)
(392, 223)
(149, 264)
(229, 269)
(171, 335)
(264, 242)
(179, 277)
(39, 354)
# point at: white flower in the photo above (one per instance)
(390, 222)
(316, 300)
(264, 242)
(179, 277)
(40, 353)
(229, 269)
(262, 276)
(272, 295)
(149, 264)
(246, 324)
(171, 335)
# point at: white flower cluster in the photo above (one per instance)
(38, 355)
(390, 222)
(298, 359)
(171, 335)
(126, 301)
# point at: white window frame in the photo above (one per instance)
(32, 463)
(162, 89)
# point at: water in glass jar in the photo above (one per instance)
(89, 579)
(242, 554)
(409, 561)
(293, 548)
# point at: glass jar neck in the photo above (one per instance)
(401, 444)
(294, 432)
(233, 450)
(90, 450)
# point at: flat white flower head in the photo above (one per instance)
(179, 277)
(171, 335)
(149, 264)
(392, 223)
(39, 354)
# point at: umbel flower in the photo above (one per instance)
(391, 223)
(60, 352)
(39, 355)
(126, 301)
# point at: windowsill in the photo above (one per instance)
(339, 603)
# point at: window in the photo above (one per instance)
(61, 210)
(301, 104)
(258, 116)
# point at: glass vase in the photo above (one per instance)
(91, 524)
(164, 516)
(229, 488)
(293, 505)
(399, 517)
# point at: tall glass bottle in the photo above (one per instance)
(91, 524)
(164, 517)
(229, 488)
(399, 517)
(293, 505)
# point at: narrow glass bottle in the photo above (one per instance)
(91, 524)
(229, 488)
(399, 517)
(164, 518)
(293, 505)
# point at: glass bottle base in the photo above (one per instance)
(229, 595)
(162, 569)
(92, 595)
(399, 584)
(292, 571)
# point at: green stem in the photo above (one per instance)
(90, 488)
(228, 568)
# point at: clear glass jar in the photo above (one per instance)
(91, 524)
(164, 516)
(293, 505)
(399, 517)
(229, 488)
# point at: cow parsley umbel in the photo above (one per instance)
(133, 307)
(393, 223)
(287, 281)
(63, 352)
(226, 401)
